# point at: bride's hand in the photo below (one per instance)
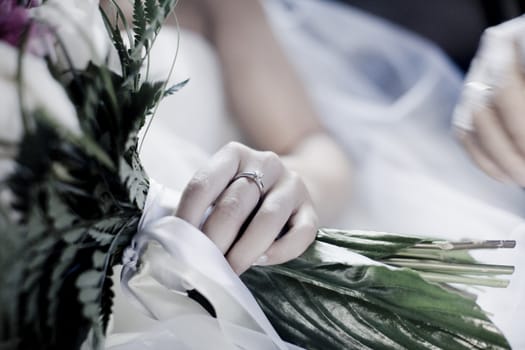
(248, 225)
(496, 137)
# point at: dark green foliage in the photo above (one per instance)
(79, 201)
(76, 217)
(139, 21)
(148, 17)
(320, 304)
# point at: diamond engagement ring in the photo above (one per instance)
(254, 176)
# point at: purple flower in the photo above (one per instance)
(15, 22)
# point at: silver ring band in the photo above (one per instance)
(254, 176)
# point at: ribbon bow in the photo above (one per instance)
(168, 257)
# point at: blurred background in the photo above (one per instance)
(454, 25)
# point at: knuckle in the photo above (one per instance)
(271, 158)
(309, 226)
(294, 176)
(297, 182)
(235, 147)
(271, 208)
(229, 206)
(198, 184)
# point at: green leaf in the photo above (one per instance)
(88, 295)
(100, 237)
(367, 307)
(174, 88)
(122, 49)
(135, 179)
(323, 300)
(31, 306)
(39, 254)
(58, 211)
(94, 150)
(36, 225)
(139, 21)
(152, 10)
(111, 225)
(168, 6)
(90, 311)
(56, 284)
(116, 36)
(74, 235)
(374, 245)
(90, 278)
(42, 246)
(99, 259)
(32, 278)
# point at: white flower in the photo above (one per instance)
(80, 28)
(39, 90)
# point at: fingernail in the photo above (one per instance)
(262, 260)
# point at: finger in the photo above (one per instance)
(270, 219)
(304, 225)
(479, 157)
(236, 203)
(230, 211)
(496, 143)
(208, 183)
(509, 102)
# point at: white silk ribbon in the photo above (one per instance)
(168, 257)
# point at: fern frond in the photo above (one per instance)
(174, 88)
(139, 22)
(152, 11)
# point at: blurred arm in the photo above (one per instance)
(268, 99)
(266, 96)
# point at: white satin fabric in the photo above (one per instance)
(167, 258)
(387, 96)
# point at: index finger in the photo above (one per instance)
(208, 183)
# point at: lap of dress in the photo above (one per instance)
(387, 96)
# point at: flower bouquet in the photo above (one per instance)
(74, 196)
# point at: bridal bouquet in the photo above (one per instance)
(75, 92)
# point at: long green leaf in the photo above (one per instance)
(329, 299)
(367, 307)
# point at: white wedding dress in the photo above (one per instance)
(387, 96)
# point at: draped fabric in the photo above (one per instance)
(167, 258)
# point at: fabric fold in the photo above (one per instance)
(168, 257)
